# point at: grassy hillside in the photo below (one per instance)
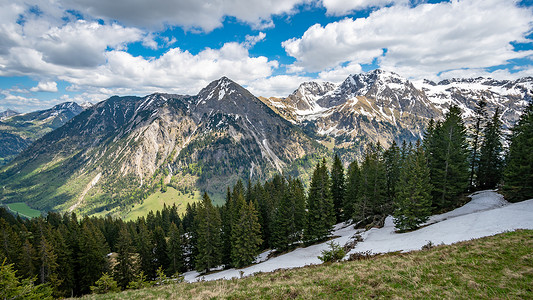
(495, 267)
(23, 209)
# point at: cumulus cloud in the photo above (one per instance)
(251, 40)
(276, 86)
(49, 86)
(340, 73)
(343, 7)
(205, 15)
(419, 41)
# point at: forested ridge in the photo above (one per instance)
(63, 255)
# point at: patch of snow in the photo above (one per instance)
(486, 214)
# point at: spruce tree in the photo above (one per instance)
(352, 190)
(209, 242)
(321, 214)
(449, 160)
(175, 250)
(413, 197)
(92, 255)
(518, 174)
(372, 204)
(144, 246)
(490, 158)
(124, 269)
(246, 236)
(338, 186)
(392, 160)
(289, 217)
(476, 137)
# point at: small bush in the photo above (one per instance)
(361, 255)
(335, 253)
(106, 284)
(428, 246)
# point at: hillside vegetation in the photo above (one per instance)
(494, 267)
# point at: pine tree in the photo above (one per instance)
(321, 213)
(352, 190)
(246, 237)
(91, 256)
(175, 250)
(449, 160)
(490, 160)
(144, 246)
(160, 248)
(392, 160)
(338, 187)
(125, 268)
(289, 217)
(413, 198)
(480, 115)
(372, 205)
(518, 174)
(208, 236)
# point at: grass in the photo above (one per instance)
(23, 209)
(155, 202)
(494, 267)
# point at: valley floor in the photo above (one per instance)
(485, 215)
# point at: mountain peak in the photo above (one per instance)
(221, 89)
(8, 113)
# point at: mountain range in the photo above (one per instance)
(115, 153)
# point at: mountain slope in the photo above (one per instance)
(120, 150)
(18, 131)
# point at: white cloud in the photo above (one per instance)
(251, 40)
(276, 86)
(48, 86)
(419, 41)
(206, 15)
(343, 7)
(340, 73)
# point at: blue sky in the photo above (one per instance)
(52, 51)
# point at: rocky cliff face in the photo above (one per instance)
(121, 148)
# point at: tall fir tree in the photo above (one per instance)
(338, 187)
(392, 161)
(490, 166)
(175, 249)
(371, 205)
(518, 174)
(209, 240)
(144, 246)
(449, 160)
(321, 213)
(476, 138)
(92, 255)
(246, 235)
(124, 270)
(413, 197)
(289, 217)
(352, 190)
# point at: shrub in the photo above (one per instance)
(334, 253)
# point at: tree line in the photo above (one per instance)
(63, 255)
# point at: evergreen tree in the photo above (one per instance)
(352, 190)
(338, 187)
(413, 198)
(371, 205)
(321, 213)
(392, 160)
(476, 131)
(490, 160)
(246, 237)
(208, 235)
(289, 217)
(125, 268)
(175, 250)
(518, 174)
(144, 246)
(449, 160)
(160, 248)
(92, 253)
(227, 221)
(65, 262)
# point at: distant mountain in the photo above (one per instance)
(121, 149)
(117, 152)
(8, 113)
(18, 131)
(383, 106)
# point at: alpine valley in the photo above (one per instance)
(116, 153)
